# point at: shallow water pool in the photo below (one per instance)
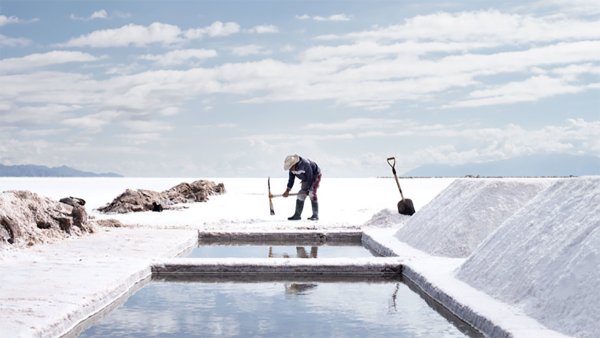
(298, 308)
(287, 251)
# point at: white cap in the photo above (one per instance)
(290, 160)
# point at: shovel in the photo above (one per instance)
(271, 196)
(405, 206)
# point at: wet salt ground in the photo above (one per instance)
(263, 251)
(302, 308)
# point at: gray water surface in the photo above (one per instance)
(301, 308)
(264, 251)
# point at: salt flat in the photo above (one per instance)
(47, 289)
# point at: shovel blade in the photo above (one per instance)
(406, 207)
(271, 207)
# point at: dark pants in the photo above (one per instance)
(312, 191)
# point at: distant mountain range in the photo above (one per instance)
(534, 165)
(29, 170)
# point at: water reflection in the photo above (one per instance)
(297, 288)
(300, 252)
(281, 251)
(392, 304)
(282, 308)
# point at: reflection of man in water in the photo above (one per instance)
(298, 288)
(300, 252)
(301, 288)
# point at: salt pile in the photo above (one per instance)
(27, 219)
(545, 258)
(455, 222)
(386, 218)
(148, 200)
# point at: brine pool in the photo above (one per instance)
(286, 251)
(300, 307)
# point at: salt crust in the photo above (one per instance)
(76, 277)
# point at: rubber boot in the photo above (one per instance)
(315, 210)
(298, 212)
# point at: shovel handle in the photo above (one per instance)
(272, 210)
(392, 162)
(281, 195)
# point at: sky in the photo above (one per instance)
(229, 88)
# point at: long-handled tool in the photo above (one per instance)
(281, 195)
(271, 196)
(405, 206)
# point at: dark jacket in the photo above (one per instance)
(307, 171)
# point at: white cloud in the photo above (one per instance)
(140, 138)
(571, 7)
(263, 29)
(486, 144)
(129, 35)
(5, 20)
(374, 50)
(143, 126)
(375, 74)
(250, 50)
(13, 42)
(448, 143)
(216, 29)
(92, 122)
(45, 87)
(169, 111)
(490, 26)
(220, 126)
(529, 90)
(361, 82)
(182, 56)
(99, 14)
(34, 115)
(333, 18)
(370, 74)
(155, 33)
(571, 71)
(381, 73)
(13, 65)
(287, 48)
(355, 124)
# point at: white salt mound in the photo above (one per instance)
(545, 259)
(386, 218)
(455, 222)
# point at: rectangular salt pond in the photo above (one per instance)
(287, 251)
(286, 245)
(369, 307)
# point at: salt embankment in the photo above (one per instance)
(456, 221)
(49, 288)
(544, 259)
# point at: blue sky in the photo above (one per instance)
(229, 88)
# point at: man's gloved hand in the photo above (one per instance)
(286, 193)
